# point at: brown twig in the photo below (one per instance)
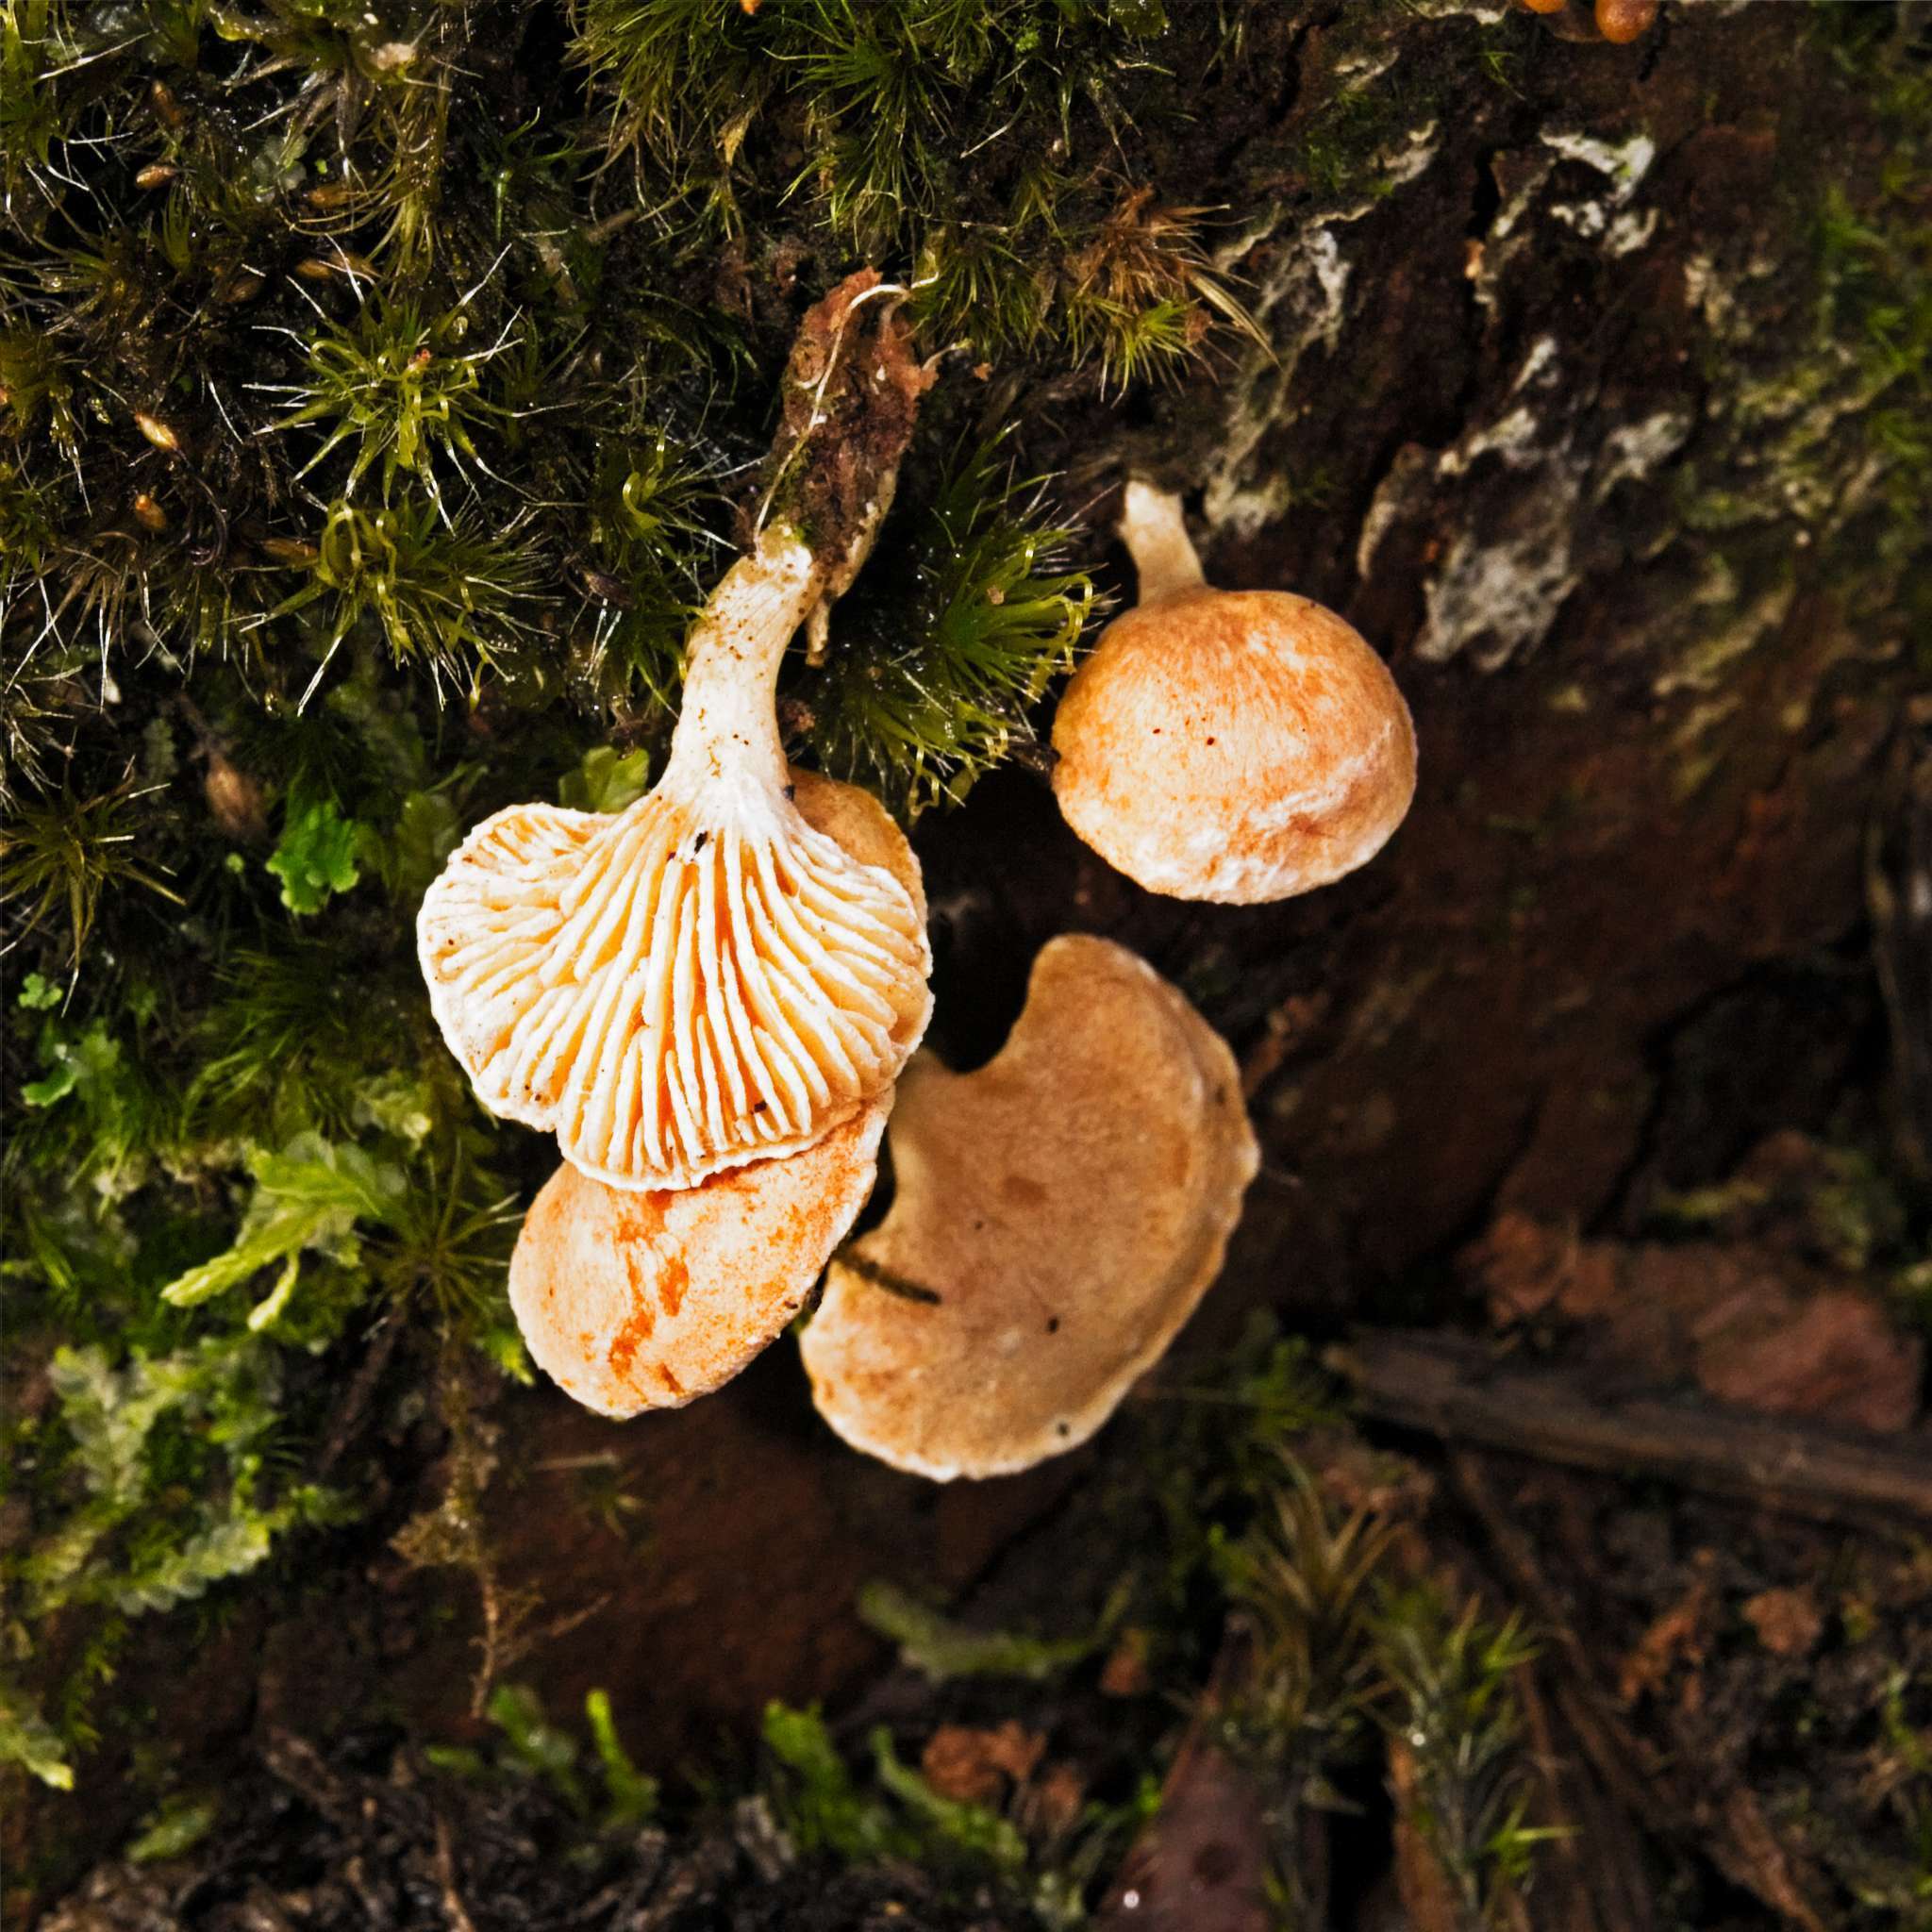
(452, 1908)
(1455, 1389)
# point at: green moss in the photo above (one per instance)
(1452, 1704)
(403, 395)
(888, 1811)
(950, 639)
(942, 1649)
(59, 859)
(613, 1798)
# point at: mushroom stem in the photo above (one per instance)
(728, 723)
(1155, 534)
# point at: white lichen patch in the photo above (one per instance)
(1707, 292)
(1390, 504)
(1625, 163)
(1589, 218)
(1363, 64)
(1406, 160)
(1497, 592)
(1514, 436)
(1634, 451)
(1500, 246)
(1539, 369)
(1630, 231)
(1331, 278)
(1698, 759)
(1508, 592)
(1300, 302)
(1511, 210)
(1489, 13)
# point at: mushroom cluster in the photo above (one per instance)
(714, 998)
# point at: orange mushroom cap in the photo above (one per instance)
(631, 1300)
(1228, 745)
(1058, 1215)
(1623, 20)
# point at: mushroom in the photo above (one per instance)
(632, 1300)
(704, 979)
(1232, 745)
(1623, 20)
(1060, 1213)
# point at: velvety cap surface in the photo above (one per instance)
(1233, 745)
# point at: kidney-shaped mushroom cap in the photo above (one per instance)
(1058, 1214)
(1230, 745)
(631, 1301)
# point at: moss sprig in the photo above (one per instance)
(950, 641)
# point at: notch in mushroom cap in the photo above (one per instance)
(705, 979)
(633, 1299)
(1230, 745)
(1058, 1215)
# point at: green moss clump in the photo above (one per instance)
(948, 642)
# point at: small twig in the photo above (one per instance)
(868, 1271)
(452, 1908)
(1454, 1388)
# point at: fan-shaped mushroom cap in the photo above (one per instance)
(1059, 1212)
(1230, 745)
(704, 979)
(632, 1300)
